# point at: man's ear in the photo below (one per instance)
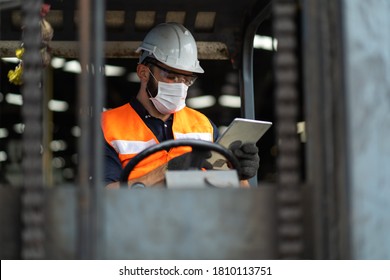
(143, 72)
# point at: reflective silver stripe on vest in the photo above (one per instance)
(131, 147)
(194, 135)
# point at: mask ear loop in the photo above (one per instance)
(148, 91)
(152, 75)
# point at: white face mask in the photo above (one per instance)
(170, 97)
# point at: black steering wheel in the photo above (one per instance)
(196, 145)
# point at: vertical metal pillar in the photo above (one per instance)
(325, 115)
(247, 91)
(91, 96)
(47, 124)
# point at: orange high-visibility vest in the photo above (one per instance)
(127, 133)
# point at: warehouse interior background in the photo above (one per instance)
(215, 93)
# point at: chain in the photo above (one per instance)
(32, 199)
(290, 225)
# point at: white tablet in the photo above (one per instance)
(244, 130)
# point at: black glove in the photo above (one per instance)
(184, 161)
(247, 155)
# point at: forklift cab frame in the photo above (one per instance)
(87, 222)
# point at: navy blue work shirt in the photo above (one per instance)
(162, 130)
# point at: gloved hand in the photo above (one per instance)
(183, 162)
(247, 155)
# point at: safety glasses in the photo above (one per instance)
(175, 77)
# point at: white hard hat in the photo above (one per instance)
(172, 44)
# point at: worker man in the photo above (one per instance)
(168, 65)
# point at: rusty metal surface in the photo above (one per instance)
(9, 4)
(121, 49)
(170, 224)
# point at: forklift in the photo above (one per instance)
(304, 213)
